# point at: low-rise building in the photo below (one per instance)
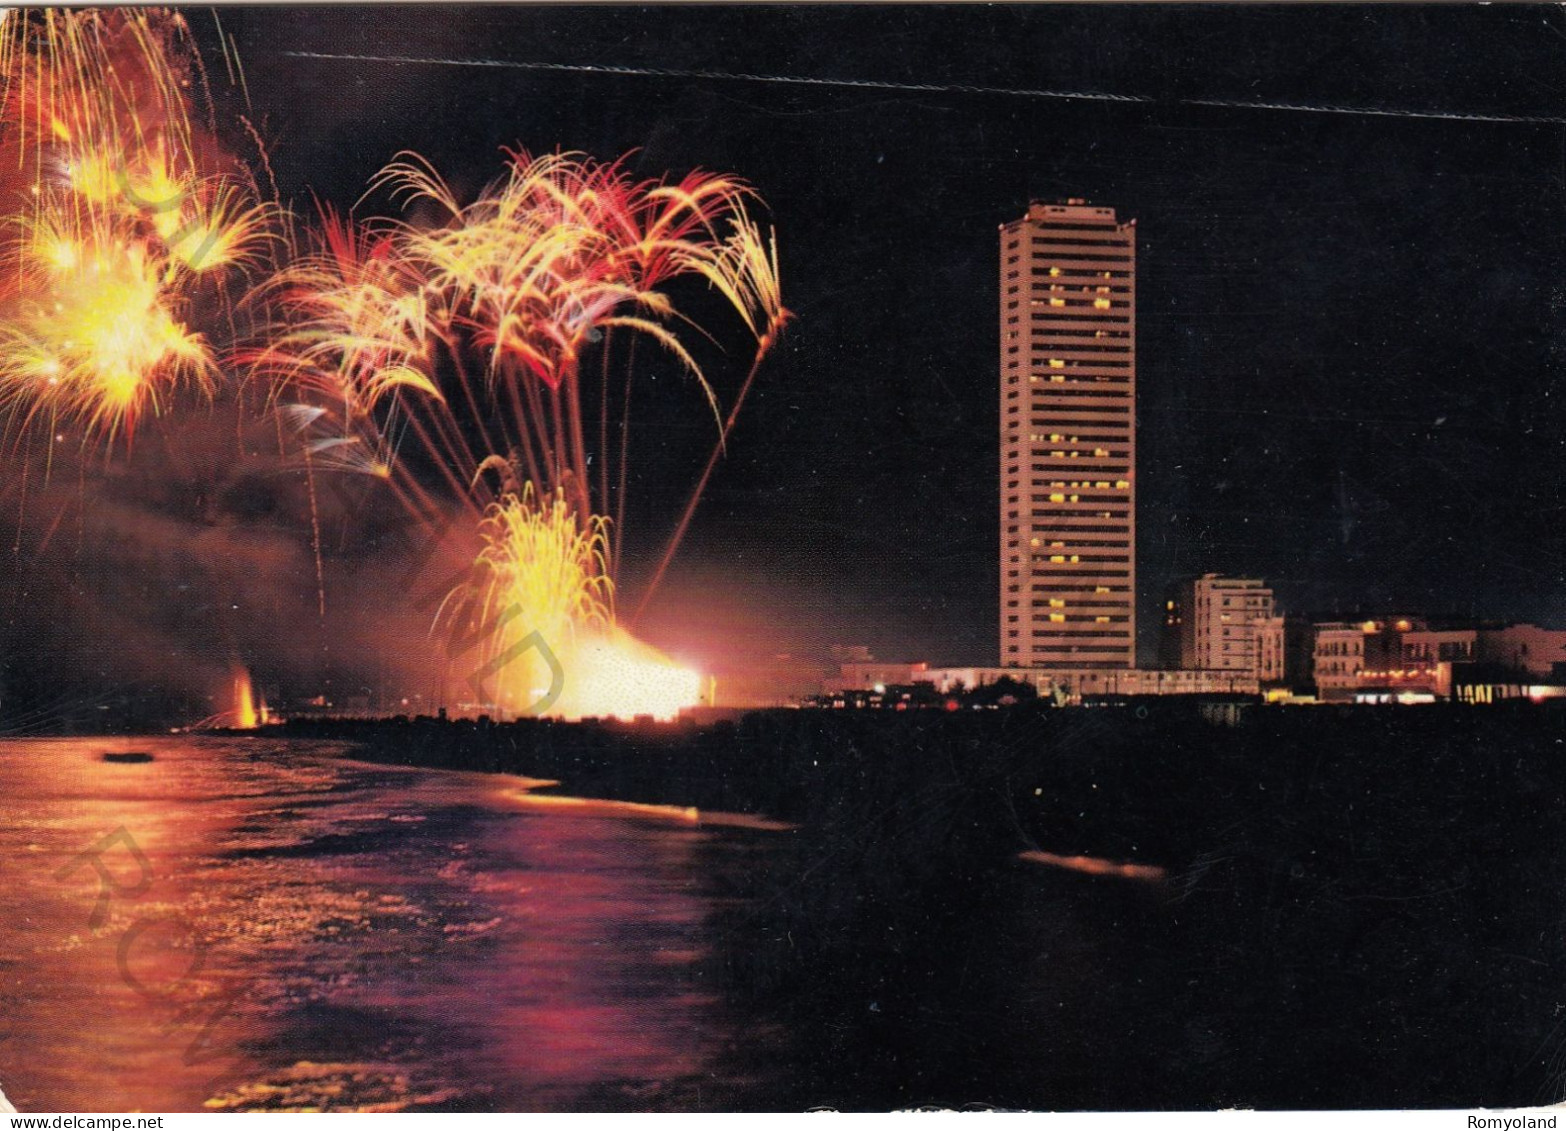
(1404, 660)
(1349, 657)
(1072, 685)
(868, 682)
(861, 675)
(1216, 620)
(1523, 647)
(1284, 647)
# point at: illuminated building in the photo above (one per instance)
(1521, 647)
(1283, 650)
(1072, 685)
(1216, 622)
(1060, 684)
(1351, 656)
(1393, 660)
(870, 673)
(1068, 438)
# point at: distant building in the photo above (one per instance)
(1068, 438)
(1402, 659)
(1284, 647)
(870, 685)
(862, 675)
(1339, 657)
(1217, 622)
(1072, 685)
(1475, 664)
(1523, 648)
(1350, 657)
(1434, 645)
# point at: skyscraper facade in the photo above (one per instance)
(1068, 438)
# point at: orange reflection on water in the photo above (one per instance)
(386, 938)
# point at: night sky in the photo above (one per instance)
(1349, 323)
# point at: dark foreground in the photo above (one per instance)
(1362, 908)
(1356, 909)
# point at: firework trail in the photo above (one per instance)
(746, 271)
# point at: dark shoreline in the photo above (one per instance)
(1160, 779)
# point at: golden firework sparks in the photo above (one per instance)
(94, 336)
(124, 214)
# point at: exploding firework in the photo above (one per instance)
(122, 219)
(92, 335)
(471, 336)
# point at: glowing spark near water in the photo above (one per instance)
(249, 711)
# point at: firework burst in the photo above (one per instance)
(124, 220)
(93, 333)
(471, 334)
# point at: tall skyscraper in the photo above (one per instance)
(1068, 438)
